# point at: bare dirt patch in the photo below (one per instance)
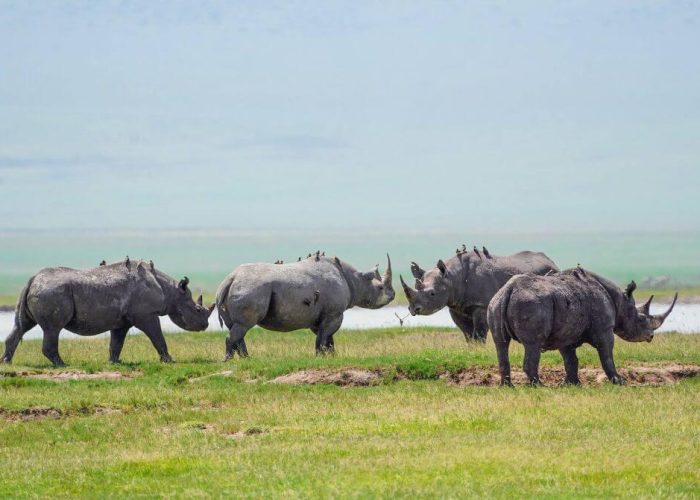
(552, 376)
(225, 373)
(43, 412)
(343, 377)
(489, 376)
(60, 376)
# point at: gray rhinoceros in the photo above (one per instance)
(563, 311)
(112, 298)
(467, 282)
(311, 293)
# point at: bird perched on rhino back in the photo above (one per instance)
(110, 297)
(311, 293)
(466, 283)
(563, 311)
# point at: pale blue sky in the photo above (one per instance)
(474, 116)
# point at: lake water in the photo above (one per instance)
(685, 319)
(208, 256)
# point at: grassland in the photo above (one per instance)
(172, 430)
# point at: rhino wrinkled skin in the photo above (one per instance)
(112, 298)
(564, 311)
(312, 293)
(466, 283)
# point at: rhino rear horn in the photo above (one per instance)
(420, 285)
(644, 308)
(410, 293)
(199, 300)
(417, 271)
(658, 319)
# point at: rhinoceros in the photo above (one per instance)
(563, 311)
(112, 298)
(311, 293)
(466, 283)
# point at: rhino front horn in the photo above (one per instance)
(387, 273)
(407, 289)
(658, 319)
(199, 300)
(211, 308)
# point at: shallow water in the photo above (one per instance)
(684, 319)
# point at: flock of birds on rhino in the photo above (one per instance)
(522, 297)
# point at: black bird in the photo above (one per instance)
(486, 252)
(153, 266)
(299, 259)
(127, 261)
(103, 263)
(464, 248)
(476, 251)
(318, 255)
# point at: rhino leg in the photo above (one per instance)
(605, 353)
(116, 343)
(570, 364)
(13, 340)
(464, 323)
(150, 325)
(481, 327)
(50, 346)
(502, 345)
(324, 334)
(235, 342)
(531, 363)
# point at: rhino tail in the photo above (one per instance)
(23, 320)
(221, 295)
(497, 315)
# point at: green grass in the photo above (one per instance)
(243, 437)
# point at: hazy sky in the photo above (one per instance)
(496, 116)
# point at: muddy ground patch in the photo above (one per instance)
(65, 375)
(45, 412)
(489, 376)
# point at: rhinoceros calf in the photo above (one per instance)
(111, 298)
(562, 312)
(312, 293)
(466, 283)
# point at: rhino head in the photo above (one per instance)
(374, 290)
(185, 312)
(635, 323)
(432, 289)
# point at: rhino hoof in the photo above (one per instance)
(5, 361)
(572, 382)
(506, 383)
(618, 380)
(166, 359)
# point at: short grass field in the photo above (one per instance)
(172, 430)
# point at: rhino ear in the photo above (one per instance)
(441, 266)
(630, 288)
(183, 283)
(417, 271)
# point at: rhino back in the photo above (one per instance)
(284, 297)
(550, 311)
(95, 300)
